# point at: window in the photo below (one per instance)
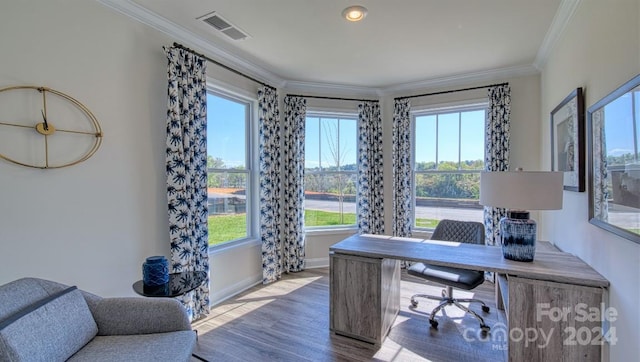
(330, 170)
(448, 157)
(229, 174)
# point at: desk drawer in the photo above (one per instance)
(364, 296)
(549, 314)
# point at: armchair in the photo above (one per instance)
(41, 320)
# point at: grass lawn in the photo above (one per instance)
(427, 223)
(223, 228)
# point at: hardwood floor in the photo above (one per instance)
(289, 321)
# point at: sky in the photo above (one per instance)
(460, 136)
(226, 131)
(329, 141)
(619, 135)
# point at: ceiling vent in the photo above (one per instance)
(217, 22)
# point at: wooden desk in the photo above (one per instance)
(365, 289)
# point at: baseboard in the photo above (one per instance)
(316, 263)
(219, 296)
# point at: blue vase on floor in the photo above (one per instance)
(155, 271)
(518, 236)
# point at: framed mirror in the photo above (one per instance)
(614, 161)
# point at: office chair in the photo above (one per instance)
(460, 231)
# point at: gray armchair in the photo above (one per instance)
(460, 231)
(41, 320)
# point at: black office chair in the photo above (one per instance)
(460, 231)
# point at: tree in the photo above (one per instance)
(337, 154)
(214, 179)
(449, 185)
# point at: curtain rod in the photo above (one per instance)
(452, 91)
(334, 98)
(178, 45)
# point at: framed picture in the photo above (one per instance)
(614, 161)
(567, 145)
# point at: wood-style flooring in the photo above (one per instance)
(289, 321)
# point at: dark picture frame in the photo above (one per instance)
(567, 140)
(614, 165)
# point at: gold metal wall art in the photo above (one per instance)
(44, 128)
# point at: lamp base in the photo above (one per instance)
(518, 236)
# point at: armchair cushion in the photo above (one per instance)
(54, 330)
(122, 316)
(173, 346)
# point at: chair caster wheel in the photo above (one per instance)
(434, 323)
(485, 329)
(485, 309)
(414, 303)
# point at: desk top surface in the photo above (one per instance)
(548, 265)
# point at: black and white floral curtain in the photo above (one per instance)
(402, 172)
(293, 238)
(186, 169)
(270, 184)
(600, 174)
(370, 185)
(496, 152)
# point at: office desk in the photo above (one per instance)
(365, 290)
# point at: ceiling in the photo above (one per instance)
(399, 44)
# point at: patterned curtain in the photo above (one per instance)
(293, 238)
(496, 155)
(370, 187)
(600, 174)
(270, 184)
(186, 169)
(402, 172)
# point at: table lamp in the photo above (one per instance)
(519, 191)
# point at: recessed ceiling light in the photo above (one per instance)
(354, 13)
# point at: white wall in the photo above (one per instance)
(599, 51)
(93, 224)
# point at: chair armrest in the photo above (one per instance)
(127, 316)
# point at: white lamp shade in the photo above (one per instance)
(522, 190)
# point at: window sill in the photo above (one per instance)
(233, 245)
(331, 231)
(422, 233)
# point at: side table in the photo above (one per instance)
(179, 284)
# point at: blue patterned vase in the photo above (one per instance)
(155, 271)
(518, 236)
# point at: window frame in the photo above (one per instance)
(334, 114)
(250, 101)
(436, 109)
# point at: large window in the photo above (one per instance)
(330, 170)
(228, 168)
(448, 158)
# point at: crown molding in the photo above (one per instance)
(448, 81)
(564, 14)
(192, 40)
(461, 79)
(129, 8)
(337, 90)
